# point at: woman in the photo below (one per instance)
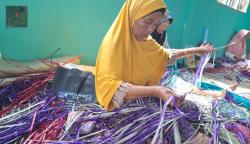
(130, 63)
(160, 34)
(237, 48)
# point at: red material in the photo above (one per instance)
(71, 60)
(49, 130)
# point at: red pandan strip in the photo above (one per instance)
(47, 131)
(26, 94)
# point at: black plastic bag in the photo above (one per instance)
(75, 86)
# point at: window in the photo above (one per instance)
(240, 5)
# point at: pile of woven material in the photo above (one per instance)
(31, 112)
(239, 71)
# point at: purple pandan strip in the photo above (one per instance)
(199, 70)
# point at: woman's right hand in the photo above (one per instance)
(205, 48)
(173, 56)
(165, 93)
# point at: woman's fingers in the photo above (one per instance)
(207, 48)
(172, 58)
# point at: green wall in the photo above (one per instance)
(78, 26)
(75, 26)
(248, 40)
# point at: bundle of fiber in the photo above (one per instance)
(13, 68)
(23, 93)
(37, 115)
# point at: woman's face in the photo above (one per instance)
(163, 26)
(143, 27)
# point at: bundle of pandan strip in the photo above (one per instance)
(21, 91)
(16, 127)
(130, 124)
(215, 121)
(241, 75)
(40, 117)
(140, 121)
(136, 122)
(24, 89)
(27, 96)
(9, 93)
(27, 103)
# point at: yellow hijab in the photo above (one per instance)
(122, 58)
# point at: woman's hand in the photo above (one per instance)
(173, 56)
(205, 48)
(165, 93)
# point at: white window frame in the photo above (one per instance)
(239, 5)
